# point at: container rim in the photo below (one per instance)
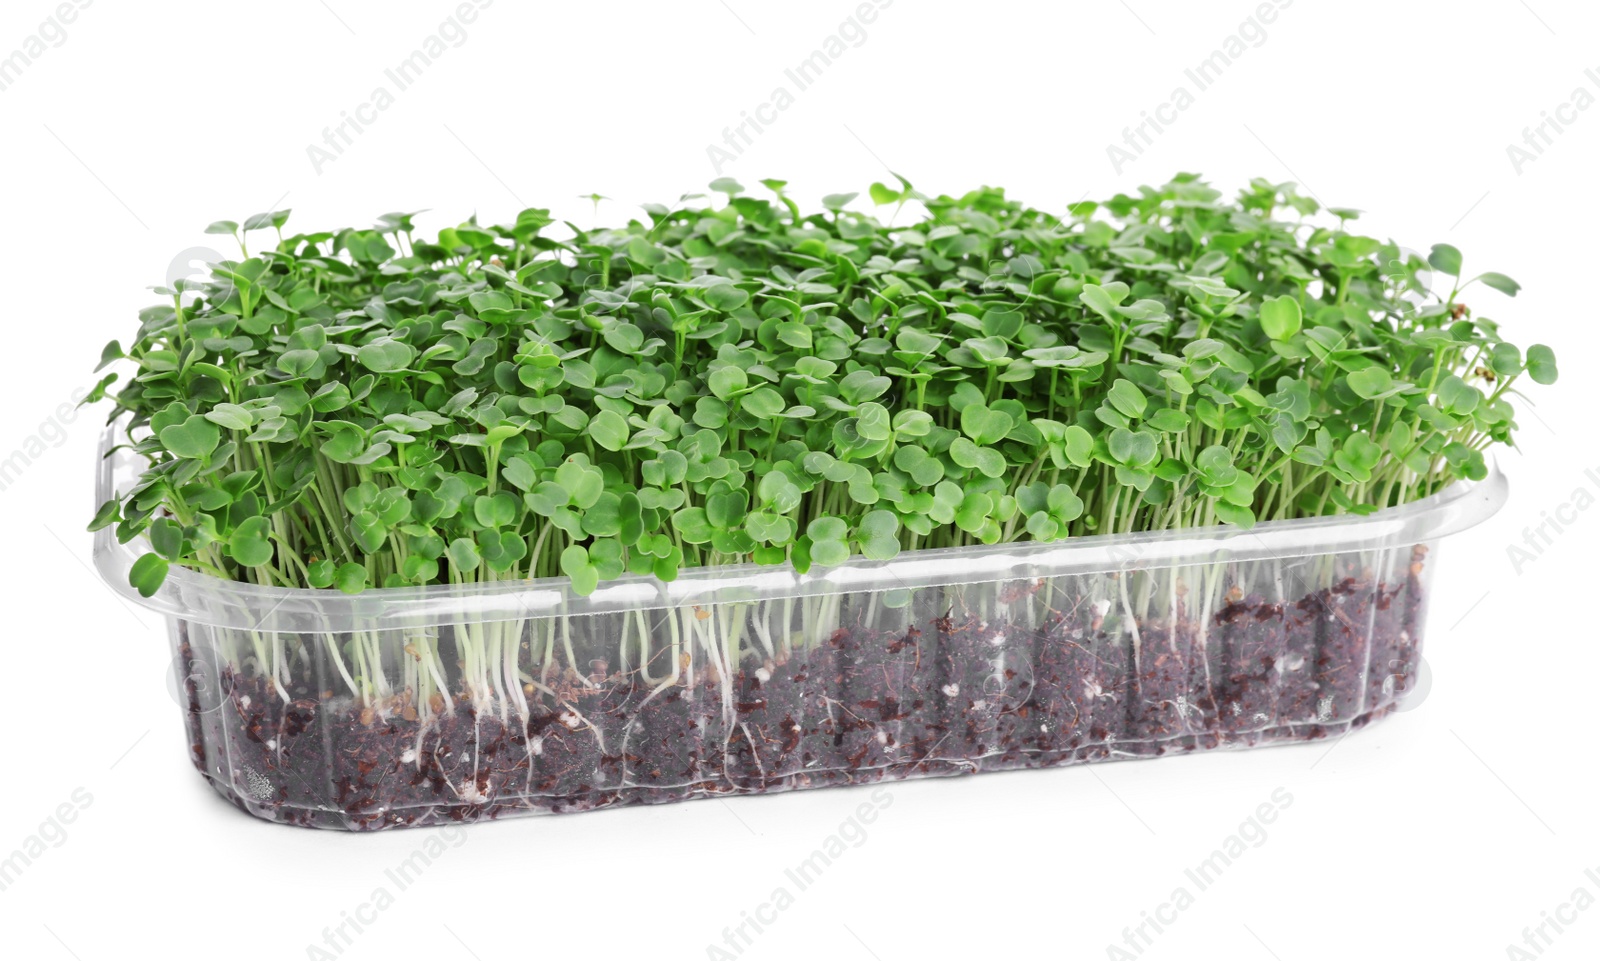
(203, 598)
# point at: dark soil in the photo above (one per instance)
(948, 693)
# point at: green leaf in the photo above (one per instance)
(463, 555)
(1064, 504)
(1127, 398)
(609, 430)
(692, 525)
(1501, 283)
(726, 382)
(1078, 445)
(1445, 259)
(1280, 317)
(166, 536)
(583, 484)
(827, 528)
(769, 528)
(300, 363)
(110, 353)
(1457, 396)
(575, 564)
(605, 519)
(623, 337)
(860, 386)
(496, 510)
(883, 195)
(231, 416)
(385, 356)
(726, 297)
(147, 574)
(877, 533)
(1104, 300)
(763, 403)
(367, 530)
(1242, 517)
(725, 510)
(249, 543)
(829, 553)
(873, 422)
(1370, 382)
(195, 438)
(320, 573)
(1131, 448)
(350, 578)
(109, 513)
(1506, 360)
(983, 425)
(1542, 364)
(1005, 324)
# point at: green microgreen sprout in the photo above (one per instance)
(730, 381)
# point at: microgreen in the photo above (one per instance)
(731, 381)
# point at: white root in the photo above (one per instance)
(763, 632)
(572, 659)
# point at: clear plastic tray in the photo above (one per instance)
(418, 706)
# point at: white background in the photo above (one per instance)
(1442, 832)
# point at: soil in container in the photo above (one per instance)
(927, 691)
(1253, 643)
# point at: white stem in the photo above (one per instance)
(572, 659)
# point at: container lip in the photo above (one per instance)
(204, 598)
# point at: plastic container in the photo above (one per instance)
(420, 706)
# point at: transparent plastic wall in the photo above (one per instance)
(376, 728)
